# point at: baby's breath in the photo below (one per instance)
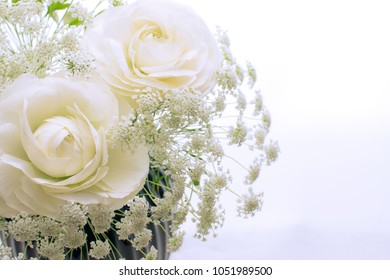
(209, 215)
(258, 102)
(260, 135)
(73, 215)
(175, 241)
(164, 207)
(69, 40)
(254, 171)
(272, 152)
(141, 239)
(228, 79)
(79, 12)
(79, 63)
(241, 101)
(101, 217)
(53, 250)
(251, 74)
(135, 219)
(222, 37)
(152, 254)
(40, 37)
(266, 120)
(220, 102)
(5, 252)
(23, 228)
(249, 204)
(73, 238)
(180, 217)
(48, 227)
(197, 171)
(237, 135)
(99, 249)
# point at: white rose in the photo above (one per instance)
(153, 43)
(53, 148)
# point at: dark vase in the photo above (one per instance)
(124, 249)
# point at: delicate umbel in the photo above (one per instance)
(120, 249)
(124, 250)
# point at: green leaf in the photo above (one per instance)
(75, 22)
(54, 7)
(68, 19)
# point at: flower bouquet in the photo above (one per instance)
(112, 126)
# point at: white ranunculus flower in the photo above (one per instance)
(153, 43)
(53, 148)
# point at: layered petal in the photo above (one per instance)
(153, 43)
(54, 149)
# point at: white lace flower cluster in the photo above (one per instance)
(185, 133)
(41, 38)
(94, 106)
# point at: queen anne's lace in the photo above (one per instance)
(185, 131)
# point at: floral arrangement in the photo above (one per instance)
(114, 118)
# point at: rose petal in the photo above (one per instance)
(10, 140)
(121, 165)
(157, 44)
(18, 193)
(37, 199)
(53, 185)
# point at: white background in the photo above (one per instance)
(324, 71)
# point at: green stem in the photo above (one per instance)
(233, 192)
(112, 246)
(97, 5)
(236, 161)
(61, 21)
